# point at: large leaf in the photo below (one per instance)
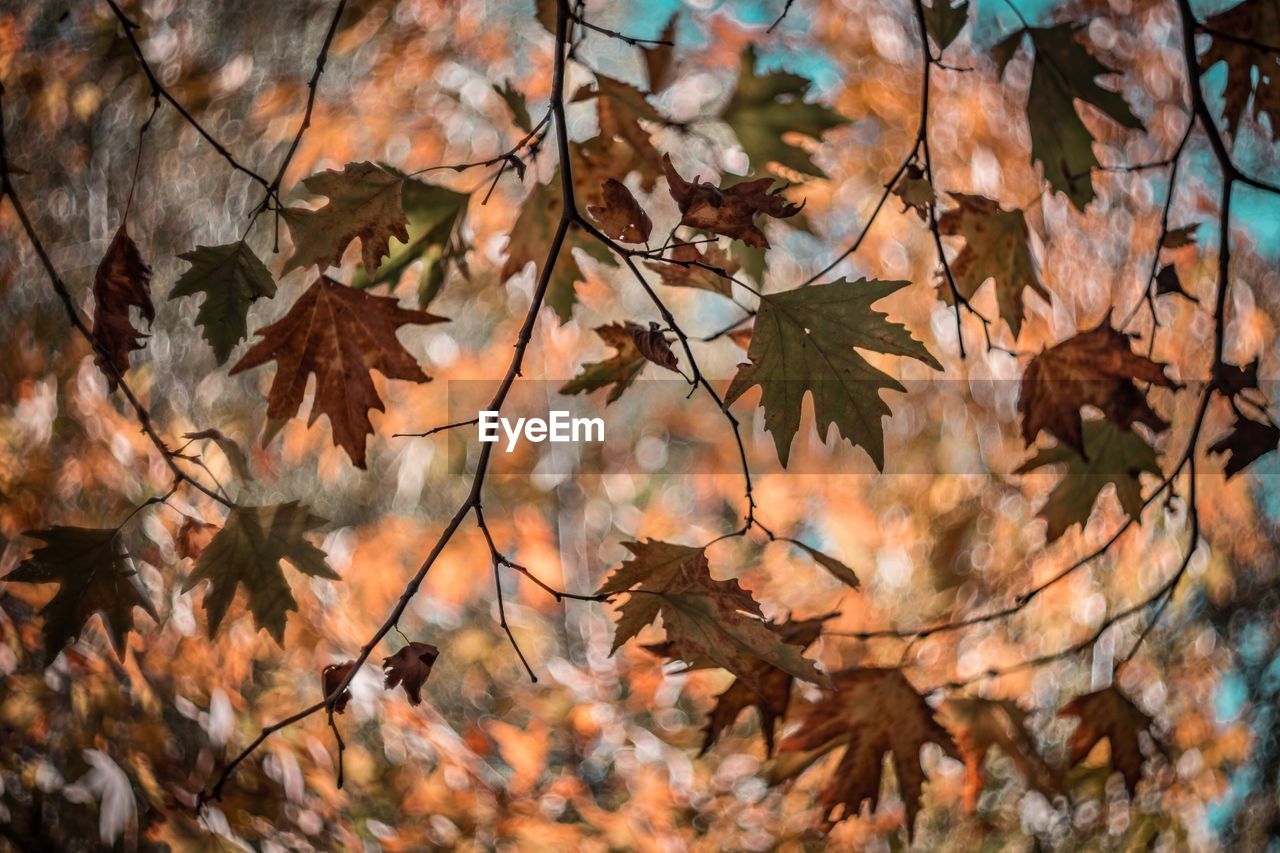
(247, 552)
(364, 203)
(94, 575)
(1063, 72)
(764, 107)
(1112, 455)
(804, 342)
(654, 567)
(231, 278)
(122, 282)
(340, 335)
(1251, 69)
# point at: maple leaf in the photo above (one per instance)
(1251, 69)
(979, 724)
(364, 202)
(765, 107)
(1108, 714)
(123, 281)
(660, 59)
(410, 668)
(944, 21)
(915, 191)
(532, 234)
(1098, 368)
(730, 211)
(687, 266)
(996, 246)
(620, 216)
(1112, 455)
(340, 335)
(435, 216)
(1248, 441)
(247, 552)
(654, 567)
(333, 675)
(1062, 72)
(619, 370)
(804, 340)
(872, 711)
(515, 101)
(232, 278)
(94, 574)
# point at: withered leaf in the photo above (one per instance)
(1176, 238)
(122, 282)
(1108, 715)
(515, 101)
(660, 59)
(364, 202)
(915, 191)
(730, 211)
(230, 449)
(1167, 282)
(709, 268)
(653, 567)
(1094, 368)
(837, 569)
(410, 668)
(1248, 441)
(979, 724)
(339, 334)
(332, 676)
(620, 216)
(872, 711)
(1252, 70)
(193, 537)
(652, 343)
(94, 574)
(619, 370)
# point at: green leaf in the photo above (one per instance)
(619, 370)
(232, 278)
(247, 552)
(1063, 71)
(804, 341)
(531, 237)
(944, 21)
(364, 203)
(515, 101)
(94, 575)
(1117, 456)
(765, 106)
(996, 246)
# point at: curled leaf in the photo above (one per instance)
(620, 216)
(652, 343)
(123, 281)
(410, 668)
(730, 211)
(332, 676)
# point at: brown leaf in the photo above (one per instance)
(979, 724)
(659, 59)
(620, 216)
(915, 191)
(686, 266)
(1176, 238)
(730, 211)
(123, 281)
(653, 345)
(364, 203)
(410, 667)
(873, 711)
(1248, 441)
(339, 334)
(618, 370)
(333, 675)
(194, 536)
(1094, 368)
(1107, 714)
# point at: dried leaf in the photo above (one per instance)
(515, 102)
(618, 370)
(123, 281)
(193, 537)
(332, 676)
(410, 668)
(340, 335)
(620, 216)
(364, 203)
(1253, 72)
(687, 266)
(730, 211)
(230, 449)
(660, 59)
(979, 724)
(652, 343)
(1248, 441)
(231, 278)
(1108, 714)
(915, 191)
(838, 570)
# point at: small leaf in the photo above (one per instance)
(659, 59)
(231, 278)
(688, 264)
(944, 21)
(1248, 441)
(978, 725)
(653, 345)
(193, 537)
(915, 191)
(247, 552)
(410, 668)
(332, 676)
(621, 216)
(123, 281)
(730, 211)
(619, 370)
(838, 570)
(94, 574)
(230, 449)
(364, 203)
(1167, 282)
(1108, 715)
(515, 102)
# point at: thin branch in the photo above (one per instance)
(623, 37)
(434, 430)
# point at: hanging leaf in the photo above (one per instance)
(364, 203)
(652, 343)
(619, 370)
(660, 59)
(514, 99)
(915, 191)
(689, 268)
(997, 246)
(1248, 441)
(979, 724)
(1095, 368)
(1167, 282)
(193, 537)
(1113, 455)
(873, 712)
(655, 566)
(340, 335)
(838, 570)
(1062, 72)
(122, 282)
(230, 449)
(231, 278)
(1108, 715)
(532, 235)
(730, 211)
(410, 668)
(1241, 37)
(944, 21)
(247, 552)
(766, 107)
(94, 574)
(333, 675)
(804, 341)
(620, 216)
